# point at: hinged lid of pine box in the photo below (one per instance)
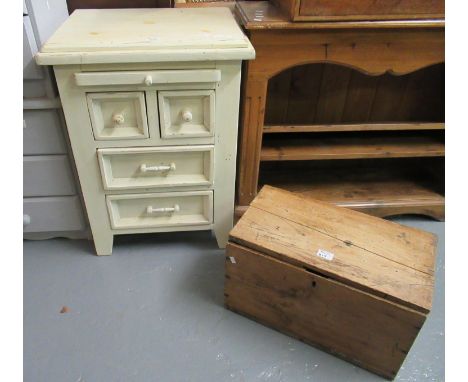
(357, 285)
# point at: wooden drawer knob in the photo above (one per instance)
(148, 80)
(187, 115)
(118, 119)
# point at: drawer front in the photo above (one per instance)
(48, 175)
(173, 209)
(42, 133)
(60, 213)
(185, 114)
(149, 78)
(153, 167)
(118, 115)
(369, 9)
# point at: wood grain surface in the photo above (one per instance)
(383, 187)
(322, 94)
(364, 329)
(284, 148)
(339, 76)
(315, 10)
(370, 254)
(267, 15)
(353, 127)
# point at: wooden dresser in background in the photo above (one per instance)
(347, 111)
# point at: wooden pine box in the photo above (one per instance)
(355, 285)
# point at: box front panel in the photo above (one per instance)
(368, 331)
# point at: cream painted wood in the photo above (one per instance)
(118, 115)
(226, 121)
(156, 167)
(150, 66)
(180, 177)
(188, 113)
(147, 78)
(146, 35)
(85, 152)
(174, 209)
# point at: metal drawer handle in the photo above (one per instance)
(26, 220)
(148, 80)
(151, 210)
(118, 118)
(145, 168)
(187, 115)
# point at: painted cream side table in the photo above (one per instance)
(151, 100)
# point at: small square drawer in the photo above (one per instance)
(118, 115)
(161, 209)
(185, 114)
(152, 167)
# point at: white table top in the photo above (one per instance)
(142, 35)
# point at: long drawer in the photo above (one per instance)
(332, 10)
(42, 133)
(47, 175)
(156, 167)
(175, 209)
(52, 214)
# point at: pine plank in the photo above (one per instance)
(331, 100)
(408, 246)
(354, 185)
(352, 148)
(360, 98)
(304, 93)
(303, 128)
(276, 108)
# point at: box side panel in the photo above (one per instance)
(359, 327)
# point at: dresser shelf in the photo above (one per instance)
(319, 147)
(383, 187)
(273, 129)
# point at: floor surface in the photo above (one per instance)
(153, 311)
